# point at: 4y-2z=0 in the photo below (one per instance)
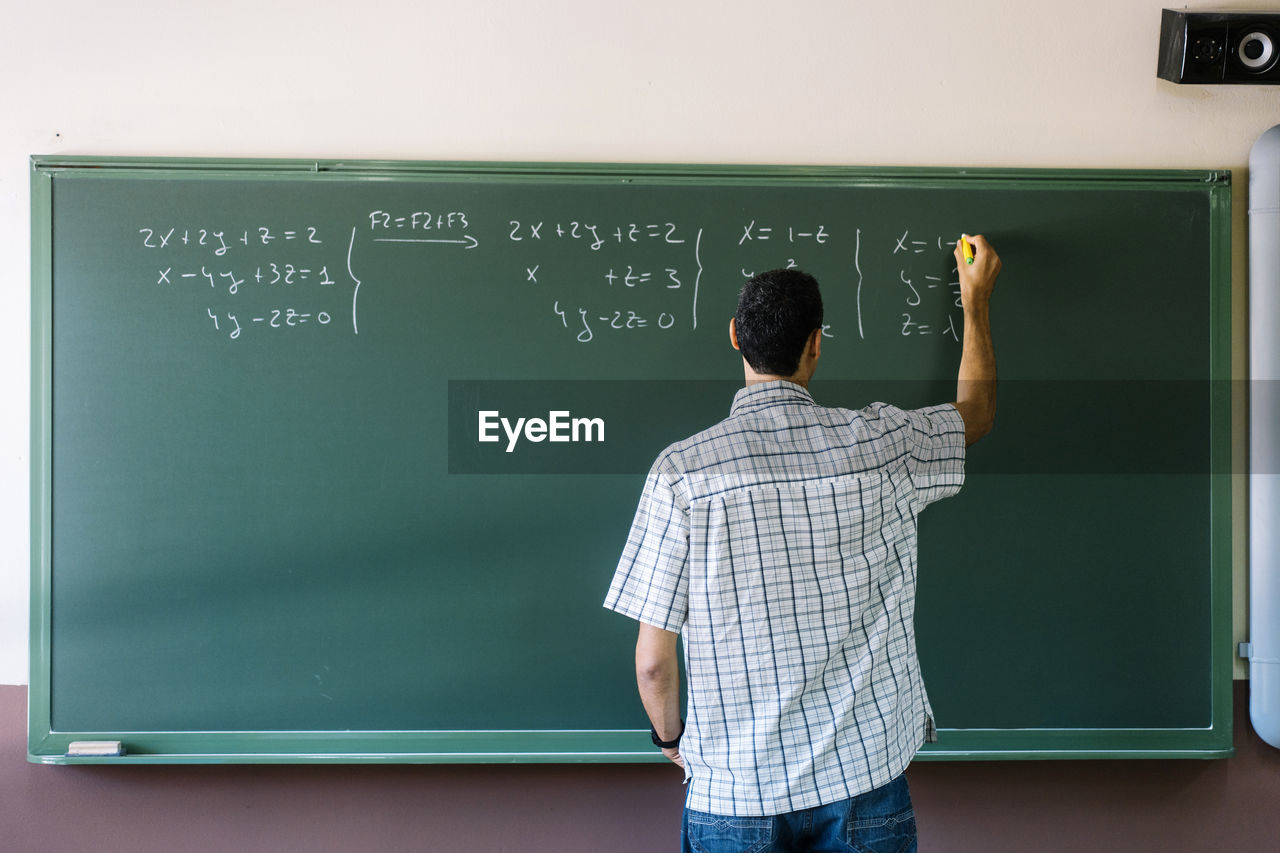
(291, 317)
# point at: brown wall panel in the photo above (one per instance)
(1231, 805)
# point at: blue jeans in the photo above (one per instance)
(879, 821)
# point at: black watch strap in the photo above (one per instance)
(666, 744)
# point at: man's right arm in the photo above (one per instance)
(976, 383)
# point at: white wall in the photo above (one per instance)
(911, 82)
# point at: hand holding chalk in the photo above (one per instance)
(979, 265)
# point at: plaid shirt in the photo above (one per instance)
(782, 544)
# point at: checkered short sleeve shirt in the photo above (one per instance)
(781, 543)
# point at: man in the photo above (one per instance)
(782, 544)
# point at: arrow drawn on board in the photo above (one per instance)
(468, 241)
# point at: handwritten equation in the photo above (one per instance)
(222, 273)
(639, 277)
(216, 241)
(924, 292)
(589, 279)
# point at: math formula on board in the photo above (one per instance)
(588, 278)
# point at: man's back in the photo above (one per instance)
(782, 543)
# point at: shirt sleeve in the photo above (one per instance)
(935, 457)
(651, 583)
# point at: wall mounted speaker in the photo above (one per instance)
(1219, 47)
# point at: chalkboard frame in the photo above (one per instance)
(46, 745)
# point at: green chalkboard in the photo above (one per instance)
(272, 520)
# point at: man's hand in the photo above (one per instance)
(976, 383)
(977, 279)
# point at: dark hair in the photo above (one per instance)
(777, 312)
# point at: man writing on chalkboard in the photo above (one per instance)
(782, 544)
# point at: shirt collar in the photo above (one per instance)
(763, 394)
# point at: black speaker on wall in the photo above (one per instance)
(1219, 47)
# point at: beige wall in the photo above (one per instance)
(985, 82)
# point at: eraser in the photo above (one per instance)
(95, 747)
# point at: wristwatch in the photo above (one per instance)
(666, 744)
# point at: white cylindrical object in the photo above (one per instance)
(1264, 436)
